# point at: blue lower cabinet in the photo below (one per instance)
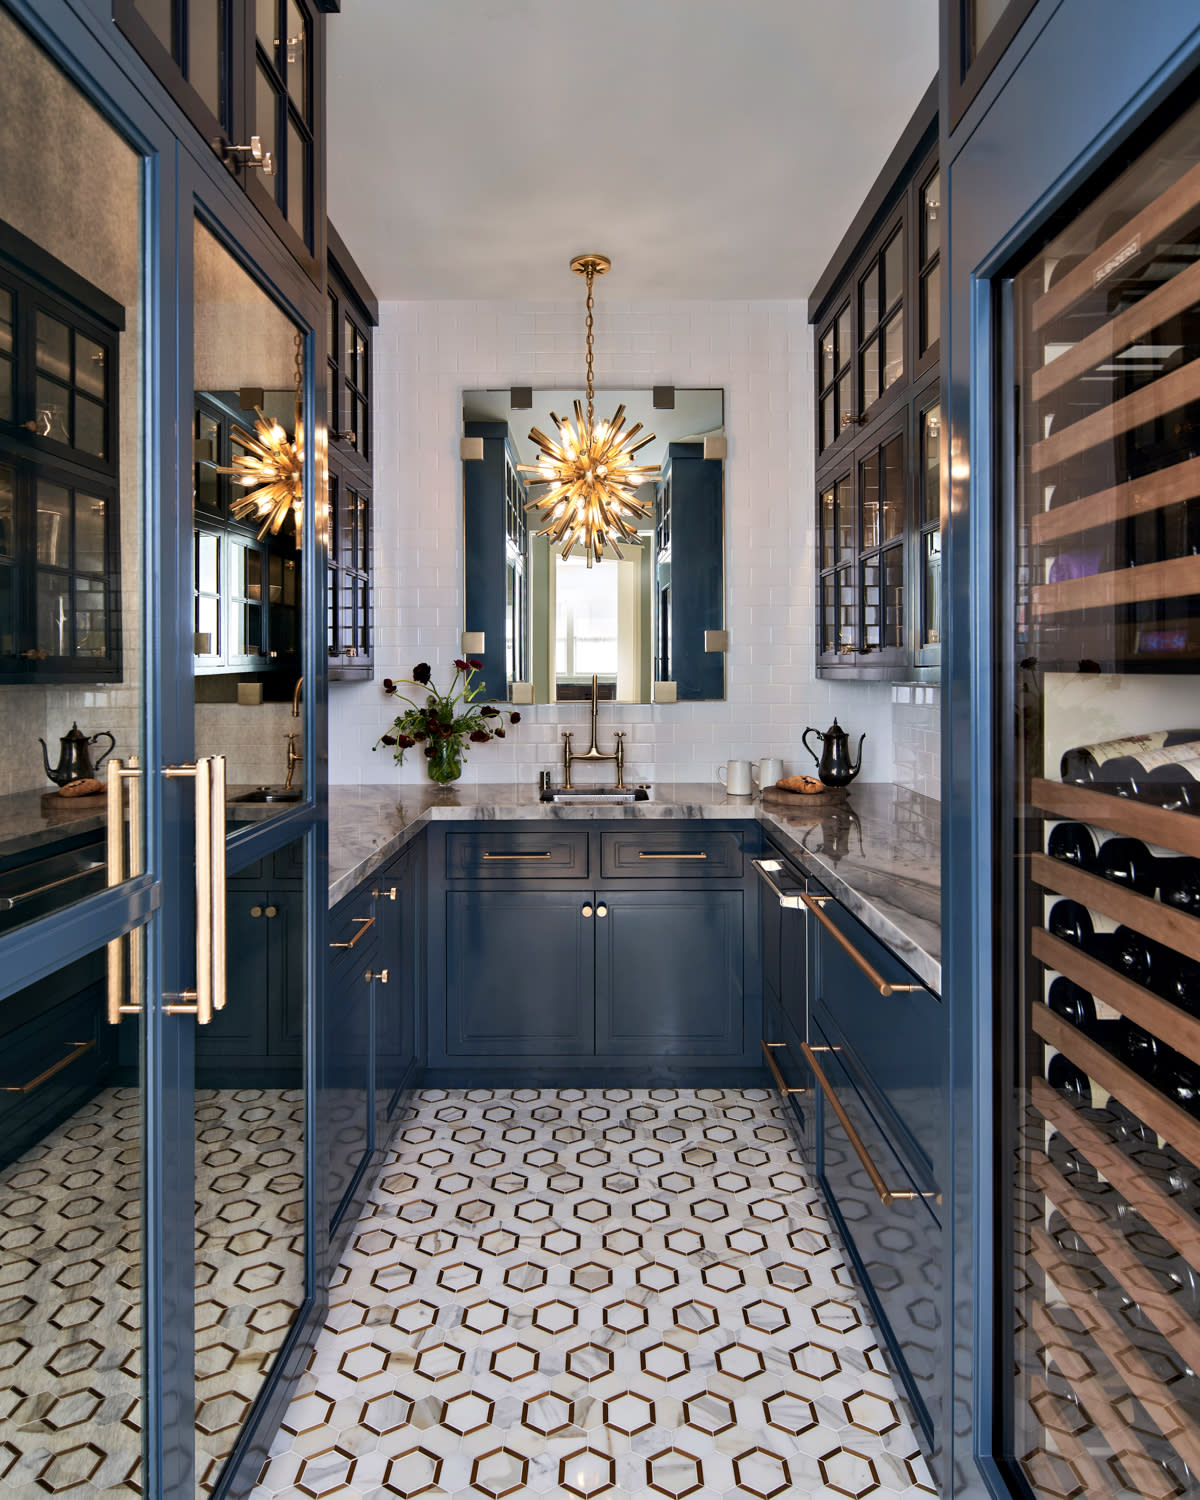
(399, 1015)
(791, 1075)
(346, 1101)
(56, 1051)
(669, 973)
(888, 1217)
(519, 974)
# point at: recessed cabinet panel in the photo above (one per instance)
(669, 973)
(519, 968)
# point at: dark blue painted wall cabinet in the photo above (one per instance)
(593, 953)
(1072, 98)
(195, 1153)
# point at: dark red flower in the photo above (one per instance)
(420, 734)
(499, 733)
(488, 712)
(387, 739)
(463, 666)
(405, 741)
(388, 685)
(422, 672)
(430, 752)
(514, 717)
(480, 736)
(475, 666)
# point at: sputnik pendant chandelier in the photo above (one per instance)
(271, 467)
(593, 480)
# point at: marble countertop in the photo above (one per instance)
(878, 853)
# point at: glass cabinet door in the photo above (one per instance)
(1099, 1163)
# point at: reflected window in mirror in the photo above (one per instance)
(549, 623)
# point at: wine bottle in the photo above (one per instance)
(1142, 960)
(1173, 765)
(1072, 1002)
(1183, 986)
(1073, 842)
(1084, 763)
(1179, 884)
(1071, 921)
(1062, 1074)
(1140, 1050)
(1179, 1079)
(1128, 862)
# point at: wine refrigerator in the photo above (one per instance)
(1098, 825)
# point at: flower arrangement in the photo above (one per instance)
(444, 721)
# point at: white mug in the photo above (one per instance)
(738, 774)
(768, 771)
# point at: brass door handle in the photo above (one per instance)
(766, 868)
(773, 1068)
(652, 854)
(886, 1196)
(365, 925)
(541, 854)
(209, 994)
(381, 975)
(77, 1051)
(117, 774)
(876, 978)
(388, 895)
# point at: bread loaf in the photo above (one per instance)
(86, 788)
(805, 784)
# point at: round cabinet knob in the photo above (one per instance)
(272, 911)
(256, 911)
(602, 910)
(587, 911)
(381, 975)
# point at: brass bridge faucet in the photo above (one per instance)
(592, 753)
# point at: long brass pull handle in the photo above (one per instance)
(541, 854)
(76, 1052)
(209, 994)
(650, 854)
(768, 867)
(117, 774)
(365, 925)
(8, 902)
(886, 1196)
(876, 978)
(773, 1069)
(380, 974)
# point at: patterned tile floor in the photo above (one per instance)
(70, 1285)
(601, 1294)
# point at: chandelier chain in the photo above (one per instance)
(591, 276)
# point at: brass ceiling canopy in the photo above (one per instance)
(593, 480)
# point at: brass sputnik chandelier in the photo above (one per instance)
(272, 467)
(593, 480)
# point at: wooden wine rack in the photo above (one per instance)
(1174, 578)
(1164, 924)
(1136, 497)
(1164, 395)
(1136, 820)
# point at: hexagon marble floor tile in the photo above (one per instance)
(601, 1294)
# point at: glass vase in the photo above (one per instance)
(446, 762)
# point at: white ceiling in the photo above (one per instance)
(712, 148)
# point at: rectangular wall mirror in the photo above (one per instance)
(645, 626)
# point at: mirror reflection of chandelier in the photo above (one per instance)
(593, 480)
(272, 466)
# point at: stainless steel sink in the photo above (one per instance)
(639, 793)
(271, 794)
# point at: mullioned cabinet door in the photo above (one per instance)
(519, 973)
(669, 973)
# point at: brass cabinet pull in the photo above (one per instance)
(541, 854)
(381, 975)
(877, 980)
(652, 854)
(209, 994)
(256, 911)
(602, 910)
(773, 1068)
(365, 925)
(766, 868)
(271, 911)
(117, 774)
(886, 1196)
(77, 1051)
(587, 911)
(389, 895)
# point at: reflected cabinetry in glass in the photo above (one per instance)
(59, 534)
(1099, 1160)
(877, 333)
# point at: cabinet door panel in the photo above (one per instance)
(519, 973)
(347, 1093)
(240, 1031)
(669, 972)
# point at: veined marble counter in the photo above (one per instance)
(878, 853)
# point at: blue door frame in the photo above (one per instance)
(1079, 78)
(181, 177)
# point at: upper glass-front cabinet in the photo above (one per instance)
(248, 74)
(976, 33)
(1099, 1162)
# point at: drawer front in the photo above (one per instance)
(791, 1075)
(353, 924)
(540, 854)
(897, 1248)
(688, 852)
(899, 1042)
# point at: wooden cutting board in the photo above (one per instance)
(779, 796)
